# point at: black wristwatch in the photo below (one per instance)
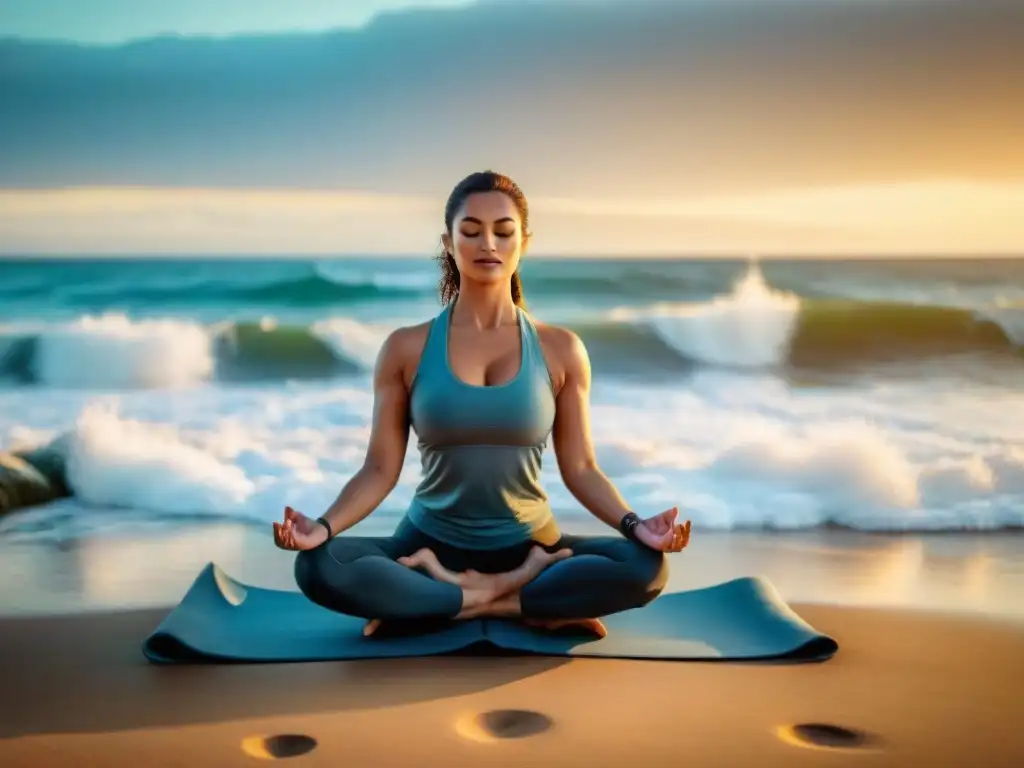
(628, 525)
(325, 524)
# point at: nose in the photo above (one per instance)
(487, 241)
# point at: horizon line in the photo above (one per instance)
(574, 256)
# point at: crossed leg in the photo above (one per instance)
(399, 577)
(495, 589)
(575, 581)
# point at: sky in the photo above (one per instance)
(115, 21)
(699, 127)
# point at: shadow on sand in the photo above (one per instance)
(85, 674)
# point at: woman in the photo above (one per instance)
(483, 386)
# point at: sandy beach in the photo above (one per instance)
(749, 261)
(922, 685)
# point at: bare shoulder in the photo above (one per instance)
(561, 341)
(564, 351)
(407, 339)
(401, 351)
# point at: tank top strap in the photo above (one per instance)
(532, 352)
(435, 350)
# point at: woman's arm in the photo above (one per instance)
(389, 435)
(573, 445)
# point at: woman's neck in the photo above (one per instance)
(484, 306)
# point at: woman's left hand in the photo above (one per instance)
(662, 533)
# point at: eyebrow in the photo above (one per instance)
(474, 220)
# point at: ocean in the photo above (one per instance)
(877, 395)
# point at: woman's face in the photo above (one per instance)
(487, 239)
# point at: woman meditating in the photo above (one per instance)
(484, 387)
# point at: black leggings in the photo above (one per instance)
(359, 576)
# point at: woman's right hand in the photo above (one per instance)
(298, 532)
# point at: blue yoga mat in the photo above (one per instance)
(223, 620)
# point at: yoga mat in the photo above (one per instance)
(223, 620)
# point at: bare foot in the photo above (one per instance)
(593, 626)
(536, 562)
(493, 584)
(371, 626)
(426, 559)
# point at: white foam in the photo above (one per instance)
(748, 328)
(1010, 318)
(118, 462)
(113, 351)
(730, 450)
(842, 465)
(355, 341)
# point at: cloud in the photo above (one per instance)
(583, 99)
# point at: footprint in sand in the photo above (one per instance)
(279, 746)
(502, 724)
(826, 736)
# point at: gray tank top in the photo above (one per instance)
(481, 447)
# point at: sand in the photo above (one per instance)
(930, 688)
(933, 689)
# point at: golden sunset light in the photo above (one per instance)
(512, 382)
(920, 218)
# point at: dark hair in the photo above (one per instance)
(482, 181)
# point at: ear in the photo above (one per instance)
(446, 241)
(527, 239)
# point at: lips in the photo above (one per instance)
(487, 261)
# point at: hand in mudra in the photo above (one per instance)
(662, 533)
(298, 532)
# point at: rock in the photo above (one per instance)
(22, 485)
(51, 461)
(32, 477)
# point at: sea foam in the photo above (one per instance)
(730, 451)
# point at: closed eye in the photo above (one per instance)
(496, 234)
